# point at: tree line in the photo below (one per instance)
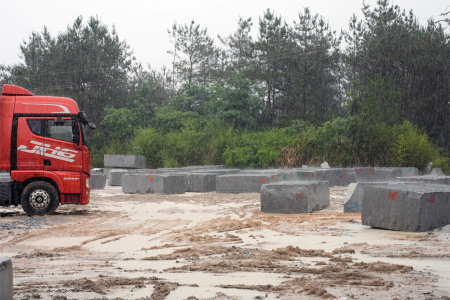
(383, 70)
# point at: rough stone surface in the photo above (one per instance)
(218, 171)
(353, 198)
(6, 279)
(430, 179)
(98, 181)
(436, 172)
(293, 197)
(135, 183)
(124, 161)
(115, 177)
(303, 174)
(355, 191)
(409, 172)
(167, 184)
(377, 174)
(336, 177)
(245, 182)
(200, 182)
(406, 207)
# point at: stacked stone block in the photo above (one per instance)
(245, 182)
(124, 161)
(377, 174)
(336, 177)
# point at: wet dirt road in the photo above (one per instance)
(216, 246)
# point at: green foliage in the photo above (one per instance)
(169, 119)
(412, 148)
(332, 143)
(377, 102)
(148, 142)
(256, 149)
(236, 102)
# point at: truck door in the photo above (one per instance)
(29, 133)
(63, 153)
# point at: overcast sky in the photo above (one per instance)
(144, 24)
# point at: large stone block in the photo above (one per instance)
(430, 179)
(406, 207)
(6, 279)
(336, 177)
(115, 176)
(218, 171)
(245, 182)
(124, 161)
(98, 181)
(353, 197)
(167, 184)
(293, 197)
(377, 174)
(303, 175)
(200, 182)
(409, 171)
(135, 183)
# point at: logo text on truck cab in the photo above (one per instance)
(42, 149)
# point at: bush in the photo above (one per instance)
(413, 148)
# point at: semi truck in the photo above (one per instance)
(44, 156)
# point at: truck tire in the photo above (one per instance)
(39, 198)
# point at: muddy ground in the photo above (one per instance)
(216, 246)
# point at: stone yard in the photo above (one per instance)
(217, 246)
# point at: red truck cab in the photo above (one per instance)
(43, 148)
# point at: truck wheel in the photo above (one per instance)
(39, 198)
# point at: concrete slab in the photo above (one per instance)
(406, 207)
(377, 174)
(6, 279)
(124, 161)
(98, 181)
(293, 197)
(245, 182)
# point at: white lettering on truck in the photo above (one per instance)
(58, 153)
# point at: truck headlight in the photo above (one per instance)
(88, 185)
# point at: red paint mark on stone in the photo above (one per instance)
(392, 196)
(299, 197)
